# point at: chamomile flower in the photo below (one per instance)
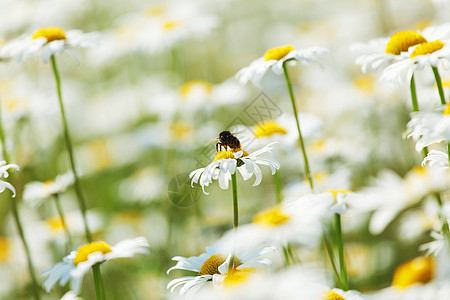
(298, 222)
(379, 53)
(226, 162)
(36, 192)
(391, 193)
(4, 173)
(274, 59)
(214, 266)
(46, 42)
(427, 54)
(75, 265)
(434, 247)
(70, 295)
(436, 158)
(427, 128)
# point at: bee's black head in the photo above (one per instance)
(224, 134)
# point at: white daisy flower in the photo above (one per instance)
(46, 42)
(427, 54)
(36, 192)
(213, 266)
(427, 128)
(282, 129)
(75, 265)
(70, 295)
(391, 193)
(436, 158)
(274, 59)
(4, 173)
(298, 222)
(226, 162)
(379, 53)
(299, 282)
(434, 247)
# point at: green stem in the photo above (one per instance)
(340, 244)
(63, 222)
(300, 137)
(278, 186)
(293, 253)
(235, 202)
(329, 249)
(235, 217)
(77, 184)
(15, 212)
(448, 152)
(439, 84)
(99, 289)
(445, 227)
(412, 87)
(34, 280)
(287, 261)
(415, 106)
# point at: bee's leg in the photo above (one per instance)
(217, 144)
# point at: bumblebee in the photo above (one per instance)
(228, 140)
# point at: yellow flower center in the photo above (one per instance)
(320, 177)
(417, 270)
(170, 25)
(156, 10)
(332, 295)
(447, 110)
(418, 170)
(5, 249)
(271, 217)
(278, 52)
(180, 130)
(401, 41)
(224, 154)
(237, 277)
(50, 33)
(268, 128)
(89, 248)
(212, 264)
(365, 83)
(55, 224)
(427, 48)
(195, 85)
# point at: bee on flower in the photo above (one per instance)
(228, 160)
(46, 42)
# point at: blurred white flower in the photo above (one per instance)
(70, 295)
(274, 59)
(299, 222)
(427, 128)
(226, 162)
(379, 53)
(391, 193)
(214, 266)
(36, 192)
(4, 173)
(46, 42)
(75, 265)
(434, 247)
(436, 158)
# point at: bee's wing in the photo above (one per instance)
(212, 141)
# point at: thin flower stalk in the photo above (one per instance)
(300, 137)
(77, 185)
